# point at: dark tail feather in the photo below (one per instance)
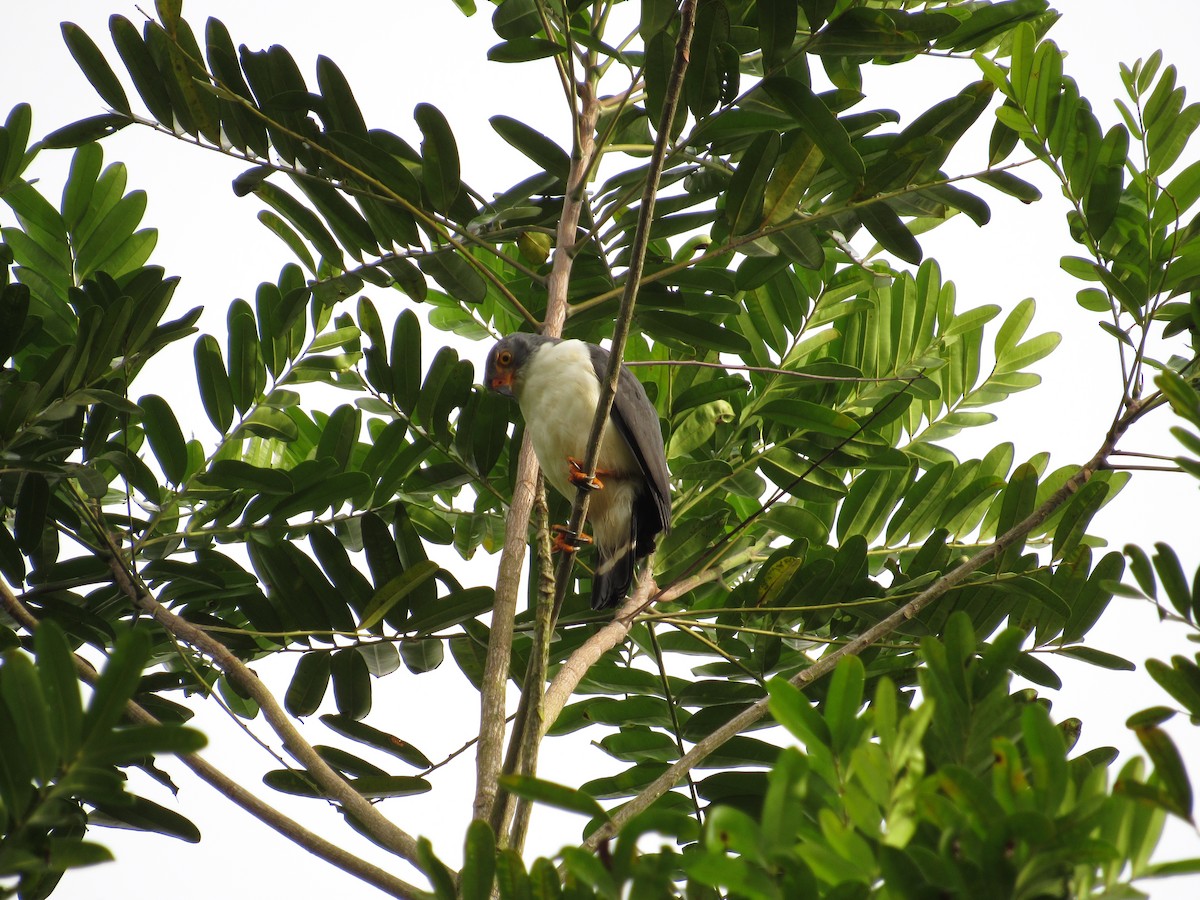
(613, 577)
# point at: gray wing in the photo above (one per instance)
(636, 420)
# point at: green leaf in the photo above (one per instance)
(801, 415)
(146, 815)
(351, 683)
(137, 742)
(16, 138)
(95, 68)
(238, 475)
(304, 220)
(887, 228)
(288, 235)
(147, 79)
(1181, 680)
(791, 709)
(983, 24)
(524, 50)
(335, 89)
(479, 862)
(776, 30)
(815, 119)
(85, 131)
(247, 373)
(439, 157)
(380, 740)
(744, 196)
(1077, 516)
(117, 226)
(1174, 581)
(1032, 588)
(439, 876)
(216, 394)
(347, 224)
(551, 794)
(116, 685)
(21, 692)
(422, 656)
(1168, 142)
(1098, 658)
(516, 19)
(699, 425)
(68, 853)
(798, 165)
(460, 279)
(266, 422)
(1104, 193)
(843, 701)
(81, 184)
(535, 145)
(1010, 184)
(451, 610)
(1169, 768)
(690, 330)
(307, 688)
(165, 436)
(1155, 715)
(395, 590)
(60, 686)
(1028, 666)
(29, 519)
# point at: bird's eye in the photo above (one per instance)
(504, 357)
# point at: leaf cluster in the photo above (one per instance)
(810, 392)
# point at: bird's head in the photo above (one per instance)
(502, 373)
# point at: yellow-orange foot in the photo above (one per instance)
(566, 540)
(578, 476)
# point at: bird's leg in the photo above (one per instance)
(566, 540)
(578, 476)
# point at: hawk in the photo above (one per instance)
(557, 385)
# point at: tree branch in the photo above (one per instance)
(232, 790)
(633, 278)
(876, 632)
(522, 751)
(571, 672)
(493, 690)
(382, 830)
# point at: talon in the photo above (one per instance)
(566, 540)
(578, 477)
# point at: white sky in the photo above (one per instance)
(398, 54)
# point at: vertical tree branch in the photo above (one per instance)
(494, 688)
(524, 745)
(641, 241)
(522, 751)
(492, 710)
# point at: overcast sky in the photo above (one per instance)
(397, 54)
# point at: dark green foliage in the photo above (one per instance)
(809, 397)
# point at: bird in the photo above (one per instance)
(556, 383)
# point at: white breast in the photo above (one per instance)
(558, 392)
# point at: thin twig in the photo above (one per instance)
(633, 278)
(769, 370)
(876, 632)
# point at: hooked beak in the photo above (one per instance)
(501, 383)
